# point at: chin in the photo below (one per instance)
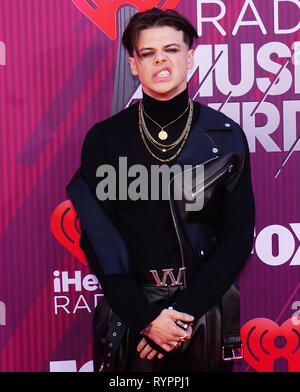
(165, 90)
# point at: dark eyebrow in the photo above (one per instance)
(165, 47)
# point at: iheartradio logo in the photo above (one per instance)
(104, 12)
(65, 227)
(265, 342)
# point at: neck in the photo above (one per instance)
(164, 111)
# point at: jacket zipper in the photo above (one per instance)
(227, 169)
(174, 218)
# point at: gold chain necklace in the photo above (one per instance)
(188, 128)
(164, 147)
(163, 134)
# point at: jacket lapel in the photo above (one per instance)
(199, 147)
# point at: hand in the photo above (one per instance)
(164, 330)
(146, 351)
(166, 333)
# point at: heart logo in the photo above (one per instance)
(103, 12)
(65, 227)
(264, 342)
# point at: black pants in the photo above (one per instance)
(202, 353)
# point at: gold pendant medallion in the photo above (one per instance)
(163, 135)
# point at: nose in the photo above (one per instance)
(160, 57)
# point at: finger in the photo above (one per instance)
(160, 356)
(181, 334)
(190, 332)
(181, 316)
(175, 333)
(183, 337)
(174, 344)
(152, 354)
(177, 345)
(166, 347)
(187, 335)
(141, 345)
(146, 350)
(181, 324)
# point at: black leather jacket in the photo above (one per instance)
(219, 145)
(222, 152)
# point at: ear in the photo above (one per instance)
(190, 62)
(133, 67)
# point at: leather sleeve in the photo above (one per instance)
(235, 245)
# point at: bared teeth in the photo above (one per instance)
(163, 74)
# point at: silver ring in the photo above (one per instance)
(181, 324)
(184, 336)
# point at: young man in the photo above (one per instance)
(166, 273)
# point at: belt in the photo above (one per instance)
(166, 277)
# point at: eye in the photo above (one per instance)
(172, 50)
(146, 54)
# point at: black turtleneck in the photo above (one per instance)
(164, 113)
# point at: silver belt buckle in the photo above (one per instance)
(168, 276)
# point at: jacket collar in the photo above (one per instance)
(199, 147)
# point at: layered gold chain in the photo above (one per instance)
(165, 148)
(163, 135)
